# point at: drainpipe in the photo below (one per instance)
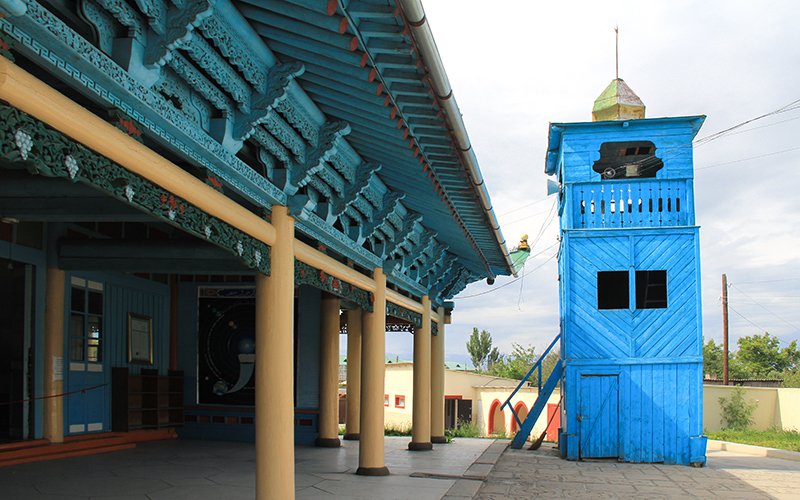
(429, 54)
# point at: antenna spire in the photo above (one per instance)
(616, 31)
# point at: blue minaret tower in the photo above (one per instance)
(629, 271)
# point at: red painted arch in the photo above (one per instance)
(519, 406)
(492, 409)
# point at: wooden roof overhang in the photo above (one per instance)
(363, 66)
(334, 109)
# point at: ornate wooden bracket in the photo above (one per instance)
(50, 153)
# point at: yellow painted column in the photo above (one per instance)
(353, 418)
(275, 366)
(421, 410)
(53, 407)
(329, 373)
(371, 461)
(437, 382)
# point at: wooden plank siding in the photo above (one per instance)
(657, 410)
(641, 333)
(655, 353)
(133, 295)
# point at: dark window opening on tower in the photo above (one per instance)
(626, 160)
(651, 289)
(612, 290)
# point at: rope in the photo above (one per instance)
(55, 395)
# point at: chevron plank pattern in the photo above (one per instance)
(638, 333)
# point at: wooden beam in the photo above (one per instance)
(152, 255)
(31, 95)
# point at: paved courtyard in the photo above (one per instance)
(524, 474)
(185, 469)
(468, 469)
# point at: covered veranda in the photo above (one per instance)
(306, 158)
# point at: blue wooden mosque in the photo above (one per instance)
(629, 271)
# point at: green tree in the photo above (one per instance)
(516, 364)
(762, 356)
(493, 358)
(791, 378)
(479, 346)
(713, 358)
(549, 364)
(713, 362)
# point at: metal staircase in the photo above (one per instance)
(544, 394)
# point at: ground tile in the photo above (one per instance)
(109, 486)
(215, 492)
(464, 488)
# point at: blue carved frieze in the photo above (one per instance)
(180, 24)
(205, 86)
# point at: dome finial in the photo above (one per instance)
(618, 101)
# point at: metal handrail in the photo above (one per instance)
(536, 365)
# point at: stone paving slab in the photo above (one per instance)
(182, 469)
(526, 474)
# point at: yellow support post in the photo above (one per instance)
(421, 409)
(275, 367)
(353, 418)
(371, 459)
(329, 373)
(52, 405)
(437, 382)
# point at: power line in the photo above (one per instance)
(494, 289)
(528, 217)
(523, 206)
(653, 161)
(764, 308)
(765, 126)
(750, 158)
(767, 281)
(742, 316)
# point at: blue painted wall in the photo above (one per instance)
(632, 376)
(122, 294)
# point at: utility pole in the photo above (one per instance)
(725, 329)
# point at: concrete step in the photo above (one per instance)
(84, 444)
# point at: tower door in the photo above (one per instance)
(599, 416)
(87, 405)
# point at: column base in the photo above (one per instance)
(412, 446)
(354, 436)
(438, 439)
(373, 471)
(327, 443)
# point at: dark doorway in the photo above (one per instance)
(14, 337)
(457, 412)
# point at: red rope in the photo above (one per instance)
(54, 395)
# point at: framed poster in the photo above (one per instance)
(226, 346)
(140, 339)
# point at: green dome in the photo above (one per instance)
(617, 102)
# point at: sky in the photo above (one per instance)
(517, 65)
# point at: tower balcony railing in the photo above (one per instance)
(630, 204)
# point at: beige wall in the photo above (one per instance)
(778, 407)
(399, 381)
(492, 397)
(482, 390)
